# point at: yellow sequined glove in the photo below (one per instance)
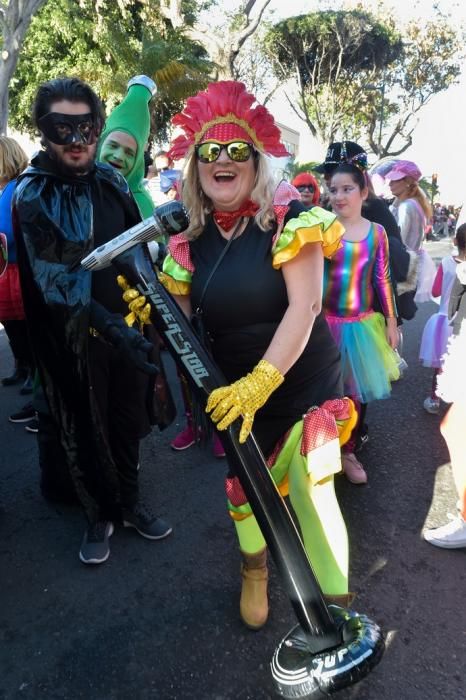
(244, 397)
(139, 310)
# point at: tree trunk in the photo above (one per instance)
(8, 61)
(15, 19)
(223, 49)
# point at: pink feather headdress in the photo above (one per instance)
(222, 113)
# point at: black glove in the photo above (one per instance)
(130, 343)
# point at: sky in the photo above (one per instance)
(439, 143)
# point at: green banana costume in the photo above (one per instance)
(132, 117)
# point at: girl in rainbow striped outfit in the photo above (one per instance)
(357, 272)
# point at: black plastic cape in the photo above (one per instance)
(53, 222)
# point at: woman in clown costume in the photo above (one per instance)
(261, 307)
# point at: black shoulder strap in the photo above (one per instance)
(219, 260)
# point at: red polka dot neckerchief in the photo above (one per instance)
(227, 219)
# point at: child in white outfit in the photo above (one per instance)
(438, 329)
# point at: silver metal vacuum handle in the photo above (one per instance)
(168, 219)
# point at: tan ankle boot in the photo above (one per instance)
(344, 600)
(254, 607)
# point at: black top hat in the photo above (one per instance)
(341, 152)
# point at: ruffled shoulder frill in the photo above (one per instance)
(177, 268)
(314, 226)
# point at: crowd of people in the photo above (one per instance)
(443, 222)
(309, 338)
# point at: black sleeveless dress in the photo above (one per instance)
(242, 308)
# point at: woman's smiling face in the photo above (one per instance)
(227, 183)
(119, 150)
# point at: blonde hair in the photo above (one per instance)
(13, 159)
(200, 206)
(415, 192)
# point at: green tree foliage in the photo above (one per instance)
(308, 167)
(430, 188)
(181, 44)
(15, 18)
(324, 54)
(222, 35)
(357, 77)
(332, 42)
(106, 43)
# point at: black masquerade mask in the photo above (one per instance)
(65, 129)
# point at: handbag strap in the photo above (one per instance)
(218, 261)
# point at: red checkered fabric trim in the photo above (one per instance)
(178, 247)
(234, 491)
(280, 213)
(339, 407)
(225, 132)
(319, 425)
(284, 194)
(272, 458)
(319, 428)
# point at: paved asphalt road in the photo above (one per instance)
(160, 620)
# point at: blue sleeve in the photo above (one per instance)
(6, 225)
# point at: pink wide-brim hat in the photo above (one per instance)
(404, 168)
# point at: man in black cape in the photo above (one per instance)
(93, 368)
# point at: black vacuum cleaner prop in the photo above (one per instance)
(331, 647)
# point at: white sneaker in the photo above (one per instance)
(432, 405)
(449, 536)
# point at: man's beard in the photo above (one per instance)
(70, 169)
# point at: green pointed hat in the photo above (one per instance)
(132, 116)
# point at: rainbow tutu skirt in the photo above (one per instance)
(369, 364)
